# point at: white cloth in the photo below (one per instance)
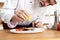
(29, 5)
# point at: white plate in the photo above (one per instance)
(35, 30)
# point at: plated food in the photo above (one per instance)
(24, 29)
(27, 30)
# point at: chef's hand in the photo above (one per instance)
(38, 24)
(20, 16)
(44, 2)
(47, 2)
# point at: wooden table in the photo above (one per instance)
(46, 35)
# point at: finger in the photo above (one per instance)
(26, 13)
(42, 3)
(36, 22)
(38, 25)
(20, 16)
(23, 14)
(28, 16)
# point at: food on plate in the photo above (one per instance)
(26, 29)
(23, 29)
(19, 29)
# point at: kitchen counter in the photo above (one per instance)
(46, 35)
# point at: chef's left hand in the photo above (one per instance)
(38, 24)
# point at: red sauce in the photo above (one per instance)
(19, 29)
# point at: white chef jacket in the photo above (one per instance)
(31, 6)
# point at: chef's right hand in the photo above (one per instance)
(20, 16)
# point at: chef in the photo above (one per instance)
(17, 11)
